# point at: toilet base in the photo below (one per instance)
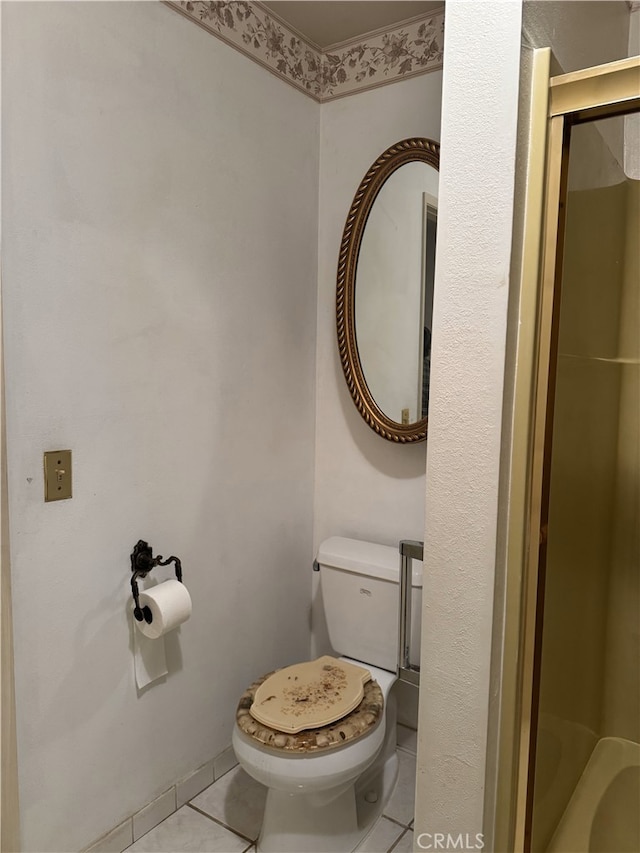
(381, 785)
(295, 822)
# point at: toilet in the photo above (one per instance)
(328, 781)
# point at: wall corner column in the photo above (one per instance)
(475, 224)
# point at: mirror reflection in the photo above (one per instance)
(394, 292)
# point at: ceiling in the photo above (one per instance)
(327, 22)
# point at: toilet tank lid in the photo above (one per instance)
(366, 558)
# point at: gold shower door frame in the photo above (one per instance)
(595, 93)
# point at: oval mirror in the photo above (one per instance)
(385, 290)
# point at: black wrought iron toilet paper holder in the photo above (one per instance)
(142, 561)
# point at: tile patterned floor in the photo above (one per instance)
(226, 816)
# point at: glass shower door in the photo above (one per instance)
(587, 739)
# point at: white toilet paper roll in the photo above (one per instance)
(170, 605)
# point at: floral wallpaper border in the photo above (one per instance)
(414, 47)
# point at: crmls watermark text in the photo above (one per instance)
(448, 841)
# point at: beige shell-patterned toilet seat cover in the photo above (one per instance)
(309, 695)
(318, 683)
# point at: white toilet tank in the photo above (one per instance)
(360, 584)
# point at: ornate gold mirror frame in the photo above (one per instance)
(406, 151)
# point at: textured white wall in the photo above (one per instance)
(479, 109)
(581, 33)
(159, 286)
(365, 487)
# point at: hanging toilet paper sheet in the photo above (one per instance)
(170, 606)
(149, 658)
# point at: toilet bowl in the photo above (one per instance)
(313, 803)
(328, 784)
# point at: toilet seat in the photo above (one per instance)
(355, 724)
(309, 695)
